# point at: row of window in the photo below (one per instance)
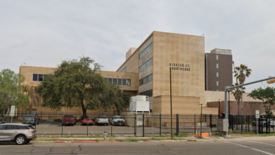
(146, 50)
(123, 70)
(146, 65)
(38, 77)
(146, 79)
(147, 93)
(116, 81)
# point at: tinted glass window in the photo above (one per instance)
(22, 127)
(11, 127)
(30, 115)
(40, 77)
(102, 116)
(123, 81)
(119, 81)
(114, 81)
(2, 127)
(34, 77)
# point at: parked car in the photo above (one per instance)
(101, 119)
(117, 120)
(86, 120)
(31, 119)
(17, 132)
(68, 119)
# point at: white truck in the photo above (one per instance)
(117, 120)
(101, 119)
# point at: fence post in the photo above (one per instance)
(62, 125)
(159, 124)
(195, 124)
(87, 126)
(111, 129)
(142, 125)
(177, 124)
(210, 117)
(233, 122)
(35, 121)
(135, 121)
(241, 124)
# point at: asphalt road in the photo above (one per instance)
(245, 146)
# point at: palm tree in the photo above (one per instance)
(240, 73)
(237, 93)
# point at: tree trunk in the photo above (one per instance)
(84, 110)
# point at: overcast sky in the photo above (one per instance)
(45, 32)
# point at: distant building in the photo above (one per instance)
(218, 69)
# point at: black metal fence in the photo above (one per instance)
(144, 124)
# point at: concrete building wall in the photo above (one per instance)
(184, 51)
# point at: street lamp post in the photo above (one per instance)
(201, 122)
(171, 106)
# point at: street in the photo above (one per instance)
(241, 146)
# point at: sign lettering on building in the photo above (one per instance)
(180, 66)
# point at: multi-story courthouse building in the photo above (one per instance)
(196, 77)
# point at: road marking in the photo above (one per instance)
(262, 143)
(44, 133)
(268, 153)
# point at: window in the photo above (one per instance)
(146, 50)
(123, 70)
(34, 77)
(217, 83)
(22, 127)
(217, 57)
(217, 66)
(147, 93)
(119, 81)
(146, 79)
(115, 81)
(146, 65)
(11, 127)
(217, 74)
(38, 77)
(124, 82)
(128, 82)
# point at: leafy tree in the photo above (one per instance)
(266, 96)
(240, 73)
(115, 98)
(74, 84)
(11, 93)
(33, 97)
